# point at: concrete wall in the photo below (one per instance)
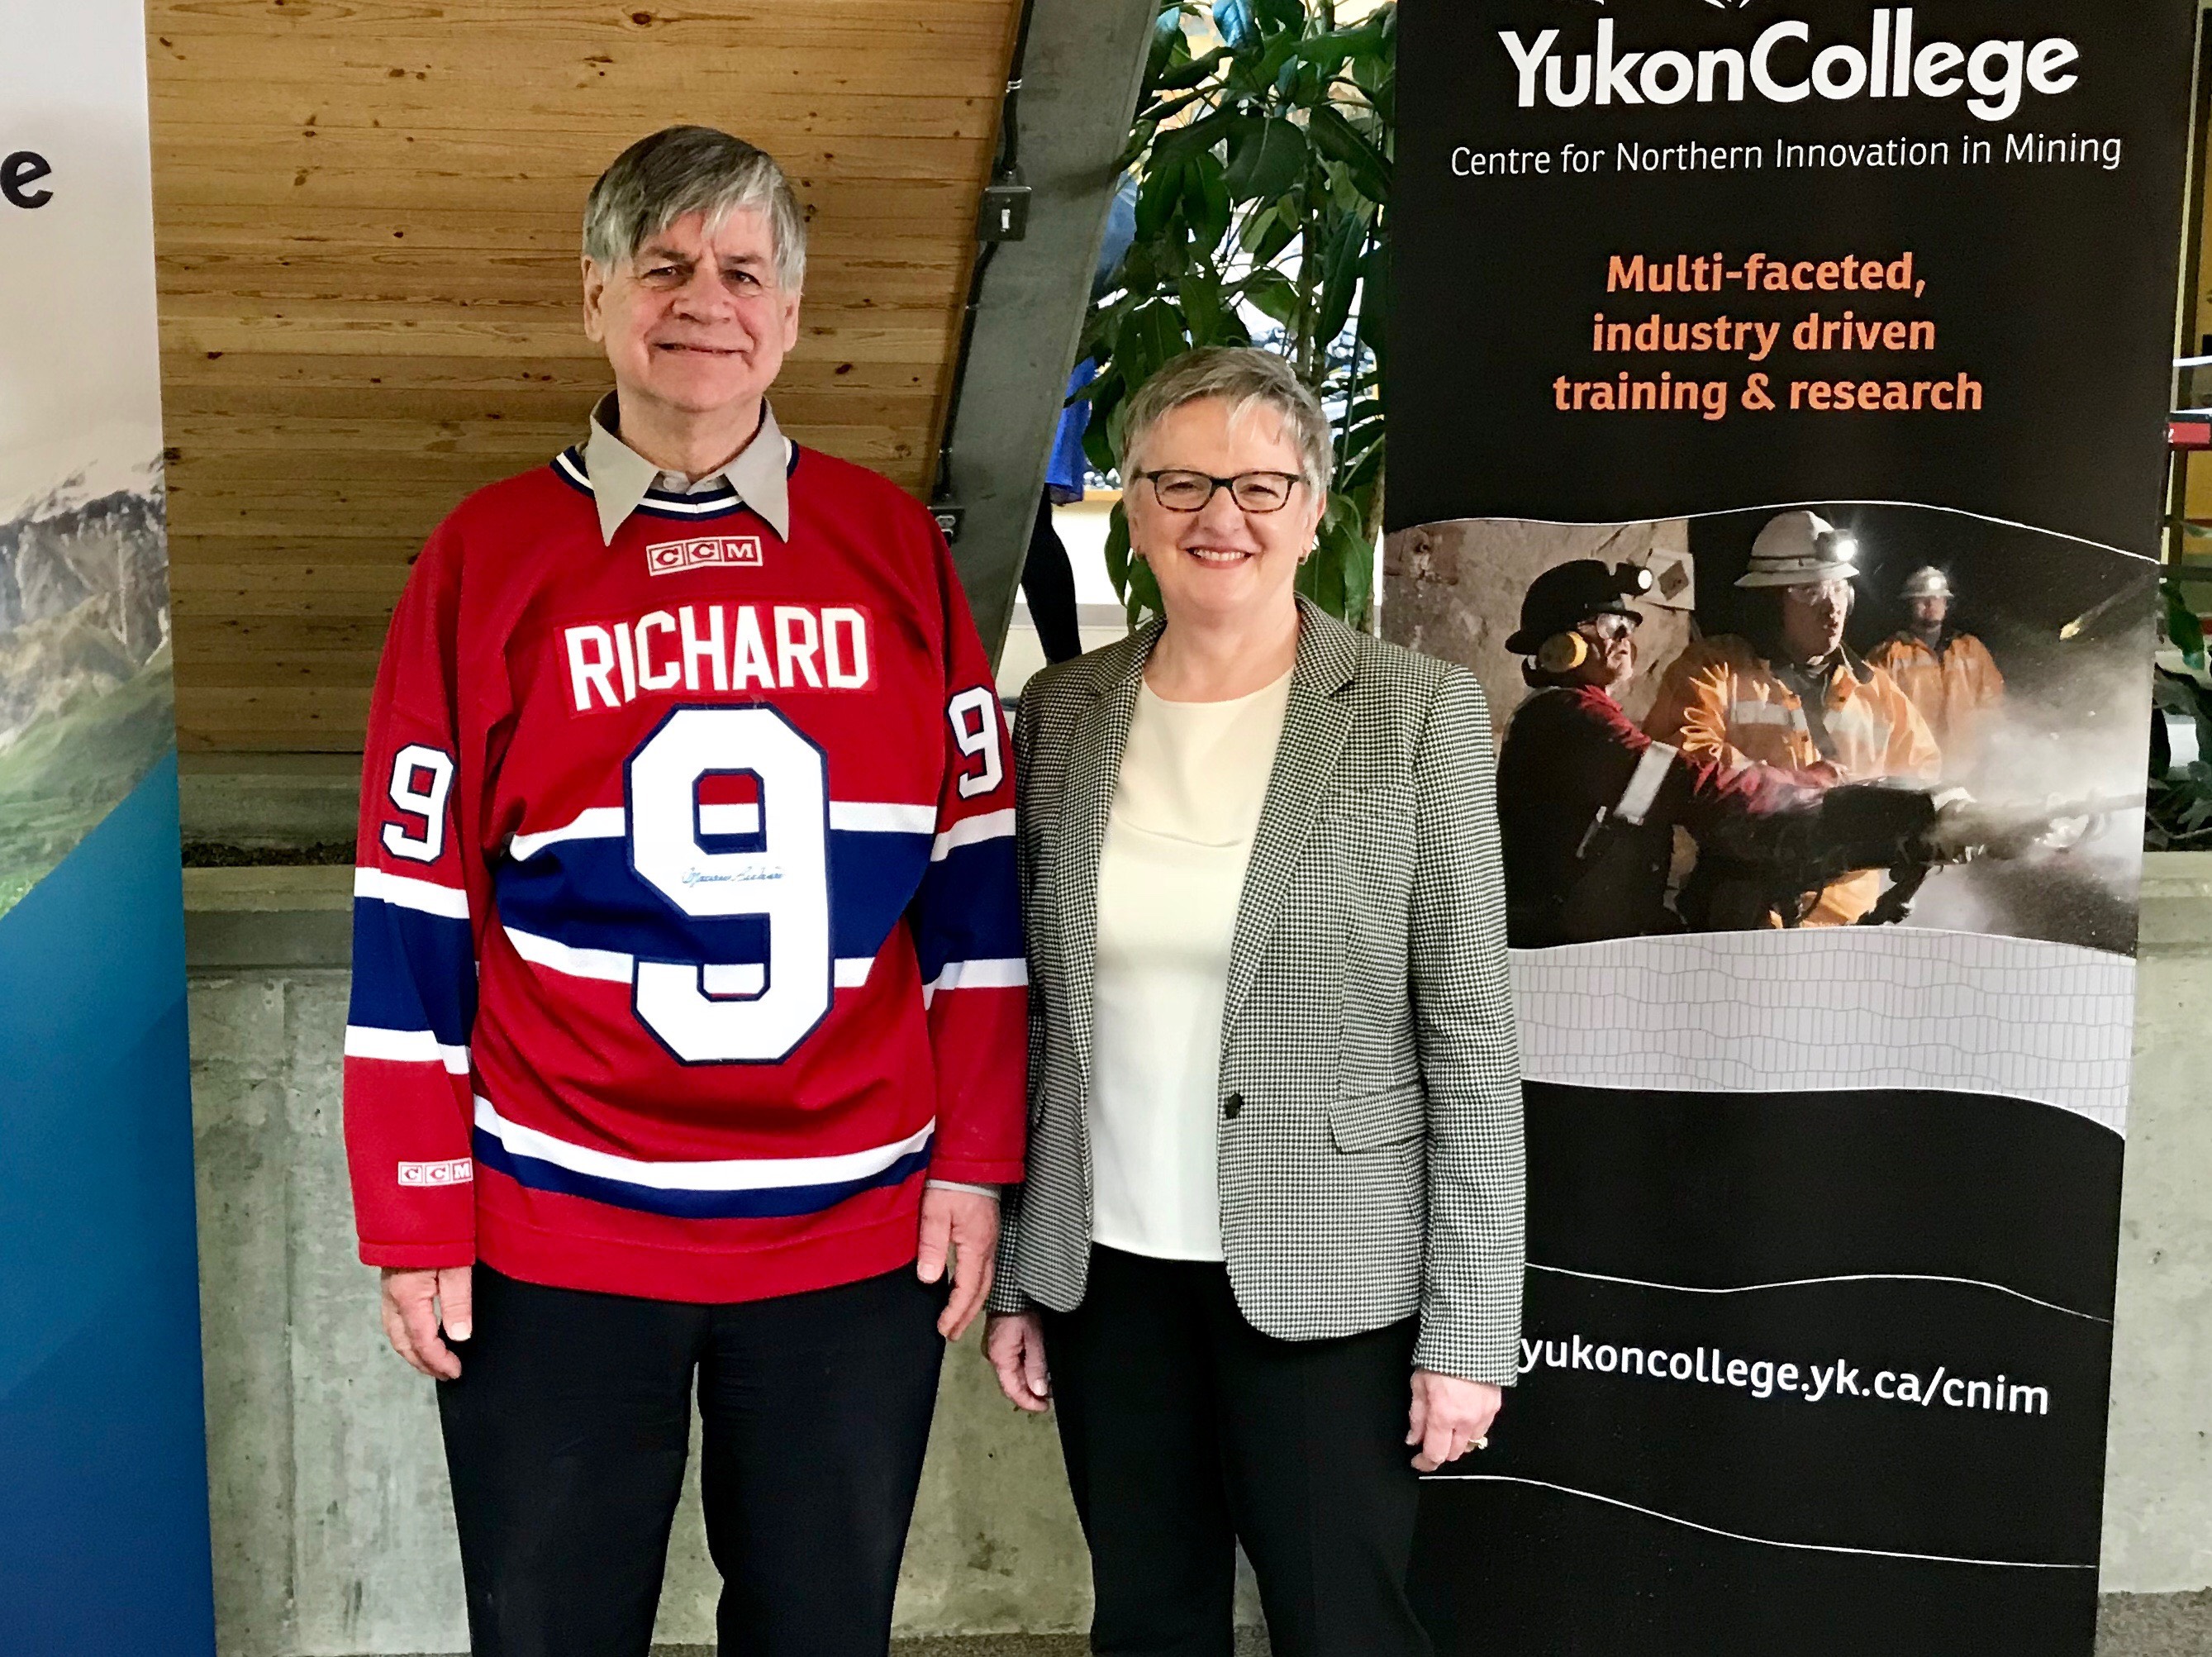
(2158, 1482)
(332, 1531)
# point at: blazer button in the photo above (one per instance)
(1233, 1106)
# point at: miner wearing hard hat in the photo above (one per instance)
(1790, 697)
(1949, 674)
(1588, 803)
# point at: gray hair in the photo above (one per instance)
(682, 170)
(1246, 378)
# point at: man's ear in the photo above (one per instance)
(595, 291)
(790, 320)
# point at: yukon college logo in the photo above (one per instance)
(738, 551)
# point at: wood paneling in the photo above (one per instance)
(367, 216)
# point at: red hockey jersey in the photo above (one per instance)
(686, 932)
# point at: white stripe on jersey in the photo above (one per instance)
(612, 966)
(748, 1174)
(1007, 973)
(870, 817)
(850, 816)
(602, 963)
(405, 1047)
(426, 896)
(599, 823)
(991, 825)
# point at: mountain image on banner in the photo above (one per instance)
(86, 691)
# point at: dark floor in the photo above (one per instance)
(2128, 1625)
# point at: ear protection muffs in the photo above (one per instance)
(1562, 653)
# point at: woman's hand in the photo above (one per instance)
(1013, 1341)
(1449, 1416)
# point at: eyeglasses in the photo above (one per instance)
(1608, 629)
(1253, 491)
(1836, 591)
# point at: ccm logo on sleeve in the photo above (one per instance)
(459, 1172)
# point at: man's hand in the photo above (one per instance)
(1449, 1415)
(1013, 1344)
(415, 1304)
(966, 1225)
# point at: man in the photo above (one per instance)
(1949, 675)
(1587, 803)
(688, 990)
(1792, 698)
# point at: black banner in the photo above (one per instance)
(1765, 316)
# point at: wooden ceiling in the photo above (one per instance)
(365, 219)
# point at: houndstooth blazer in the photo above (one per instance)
(1371, 1157)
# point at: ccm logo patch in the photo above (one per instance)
(738, 551)
(459, 1172)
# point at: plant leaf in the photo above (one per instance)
(1151, 335)
(1339, 275)
(1117, 551)
(1336, 137)
(1193, 73)
(1265, 158)
(1199, 136)
(1205, 306)
(1270, 233)
(1272, 292)
(1206, 206)
(1158, 196)
(2182, 626)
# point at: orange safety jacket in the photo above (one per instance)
(1955, 685)
(1720, 700)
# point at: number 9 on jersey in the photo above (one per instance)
(770, 860)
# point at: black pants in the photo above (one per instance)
(567, 1434)
(1186, 1430)
(1049, 589)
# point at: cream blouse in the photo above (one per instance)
(1193, 777)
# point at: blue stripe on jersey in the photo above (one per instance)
(583, 894)
(774, 1202)
(970, 908)
(413, 970)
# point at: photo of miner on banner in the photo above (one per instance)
(1835, 715)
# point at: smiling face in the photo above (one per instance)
(1222, 564)
(693, 321)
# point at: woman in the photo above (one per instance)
(1271, 1235)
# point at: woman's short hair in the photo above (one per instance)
(682, 170)
(1246, 378)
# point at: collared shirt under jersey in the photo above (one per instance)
(759, 474)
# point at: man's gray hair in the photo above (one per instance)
(682, 170)
(1246, 378)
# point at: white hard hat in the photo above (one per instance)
(1926, 583)
(1799, 547)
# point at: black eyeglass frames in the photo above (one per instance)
(1179, 491)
